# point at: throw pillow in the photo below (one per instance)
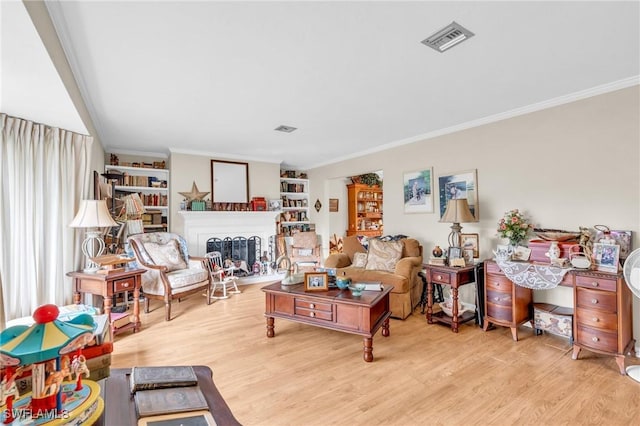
(168, 255)
(359, 260)
(383, 255)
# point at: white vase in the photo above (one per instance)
(554, 251)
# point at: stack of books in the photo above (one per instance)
(168, 393)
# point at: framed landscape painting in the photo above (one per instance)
(459, 185)
(418, 191)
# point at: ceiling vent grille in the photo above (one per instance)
(447, 37)
(286, 129)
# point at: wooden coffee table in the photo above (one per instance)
(333, 309)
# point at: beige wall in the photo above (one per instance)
(568, 166)
(264, 180)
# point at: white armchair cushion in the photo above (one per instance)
(383, 255)
(186, 277)
(167, 254)
(359, 260)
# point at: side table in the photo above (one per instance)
(454, 277)
(107, 285)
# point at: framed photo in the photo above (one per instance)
(521, 253)
(455, 253)
(418, 191)
(606, 256)
(316, 281)
(333, 204)
(622, 238)
(459, 185)
(470, 242)
(275, 205)
(468, 256)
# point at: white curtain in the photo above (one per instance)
(45, 173)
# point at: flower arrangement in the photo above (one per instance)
(514, 226)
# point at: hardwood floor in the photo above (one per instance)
(421, 374)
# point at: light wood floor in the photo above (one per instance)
(421, 374)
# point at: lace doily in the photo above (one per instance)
(536, 277)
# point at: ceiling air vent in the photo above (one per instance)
(286, 129)
(447, 37)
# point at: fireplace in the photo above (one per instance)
(237, 249)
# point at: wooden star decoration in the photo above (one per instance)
(194, 194)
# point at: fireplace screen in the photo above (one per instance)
(242, 251)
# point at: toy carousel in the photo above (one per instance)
(52, 350)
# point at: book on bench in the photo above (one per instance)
(154, 402)
(143, 378)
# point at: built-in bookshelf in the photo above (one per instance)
(294, 193)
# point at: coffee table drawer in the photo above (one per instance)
(313, 309)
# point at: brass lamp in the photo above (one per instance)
(92, 214)
(457, 212)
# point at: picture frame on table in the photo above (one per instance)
(459, 185)
(606, 257)
(622, 238)
(418, 191)
(468, 256)
(521, 253)
(470, 242)
(316, 281)
(455, 253)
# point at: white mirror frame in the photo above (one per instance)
(229, 182)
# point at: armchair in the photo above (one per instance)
(171, 272)
(305, 248)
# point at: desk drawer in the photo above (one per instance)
(597, 318)
(499, 312)
(499, 297)
(596, 283)
(492, 268)
(596, 299)
(498, 283)
(125, 284)
(440, 277)
(597, 339)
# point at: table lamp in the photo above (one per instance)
(457, 212)
(92, 214)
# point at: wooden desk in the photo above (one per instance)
(119, 406)
(333, 309)
(454, 277)
(107, 285)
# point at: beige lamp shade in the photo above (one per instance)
(457, 212)
(92, 214)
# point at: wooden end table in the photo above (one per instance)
(107, 285)
(333, 309)
(454, 277)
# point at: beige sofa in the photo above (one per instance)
(402, 274)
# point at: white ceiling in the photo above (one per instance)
(218, 77)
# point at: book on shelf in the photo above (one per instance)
(193, 418)
(143, 378)
(154, 402)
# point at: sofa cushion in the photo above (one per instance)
(383, 255)
(351, 245)
(359, 260)
(167, 254)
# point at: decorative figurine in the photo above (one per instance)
(79, 367)
(437, 251)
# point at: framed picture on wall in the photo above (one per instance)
(418, 191)
(470, 242)
(459, 185)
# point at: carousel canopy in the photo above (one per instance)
(47, 339)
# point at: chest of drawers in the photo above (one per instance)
(506, 304)
(603, 315)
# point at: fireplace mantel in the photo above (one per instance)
(198, 227)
